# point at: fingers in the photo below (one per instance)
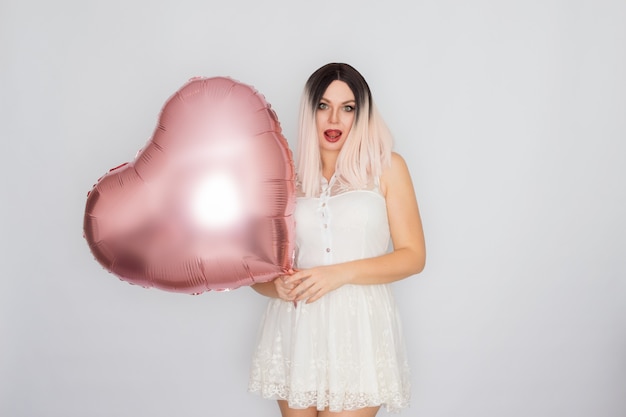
(309, 290)
(306, 284)
(289, 288)
(311, 284)
(283, 289)
(297, 277)
(315, 297)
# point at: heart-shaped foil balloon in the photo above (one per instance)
(207, 204)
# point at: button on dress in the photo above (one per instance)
(346, 350)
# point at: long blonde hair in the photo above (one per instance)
(367, 149)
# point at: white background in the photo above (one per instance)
(510, 114)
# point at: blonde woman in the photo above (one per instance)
(330, 342)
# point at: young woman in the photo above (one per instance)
(330, 342)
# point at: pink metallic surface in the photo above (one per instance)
(207, 204)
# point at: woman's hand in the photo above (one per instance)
(312, 284)
(284, 288)
(277, 288)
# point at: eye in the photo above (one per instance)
(322, 106)
(348, 108)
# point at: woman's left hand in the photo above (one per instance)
(316, 282)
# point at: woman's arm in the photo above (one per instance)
(407, 258)
(267, 289)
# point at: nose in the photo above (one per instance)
(333, 116)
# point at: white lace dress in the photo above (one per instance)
(346, 350)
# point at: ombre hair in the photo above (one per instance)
(367, 149)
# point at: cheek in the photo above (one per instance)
(349, 120)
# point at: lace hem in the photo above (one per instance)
(393, 402)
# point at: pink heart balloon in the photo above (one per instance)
(207, 204)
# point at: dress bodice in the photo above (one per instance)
(342, 224)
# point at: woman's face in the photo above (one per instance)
(334, 116)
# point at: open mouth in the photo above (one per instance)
(332, 135)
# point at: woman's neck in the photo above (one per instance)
(329, 163)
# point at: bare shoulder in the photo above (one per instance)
(396, 174)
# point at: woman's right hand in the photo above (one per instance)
(278, 288)
(283, 289)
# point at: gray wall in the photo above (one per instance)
(511, 116)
